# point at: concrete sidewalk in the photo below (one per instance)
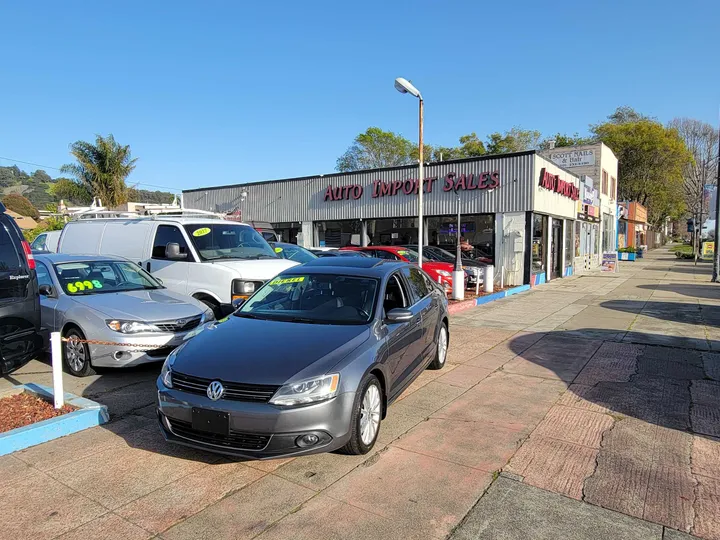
(595, 391)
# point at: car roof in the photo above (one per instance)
(59, 258)
(348, 266)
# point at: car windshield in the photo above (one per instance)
(411, 255)
(313, 298)
(294, 253)
(96, 277)
(218, 241)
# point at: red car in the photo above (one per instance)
(439, 271)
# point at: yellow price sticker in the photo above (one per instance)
(283, 281)
(278, 250)
(82, 285)
(201, 231)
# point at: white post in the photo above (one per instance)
(56, 351)
(489, 278)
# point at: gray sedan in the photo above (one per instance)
(310, 363)
(112, 300)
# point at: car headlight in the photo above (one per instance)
(444, 273)
(131, 327)
(307, 391)
(208, 315)
(166, 371)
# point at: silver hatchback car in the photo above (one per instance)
(110, 299)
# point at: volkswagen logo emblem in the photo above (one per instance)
(215, 390)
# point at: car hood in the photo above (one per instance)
(259, 270)
(152, 305)
(267, 352)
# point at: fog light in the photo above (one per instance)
(307, 440)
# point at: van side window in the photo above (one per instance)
(40, 243)
(167, 234)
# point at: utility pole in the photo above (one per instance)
(716, 259)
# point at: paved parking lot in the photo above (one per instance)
(599, 391)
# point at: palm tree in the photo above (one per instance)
(102, 168)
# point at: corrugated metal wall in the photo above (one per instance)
(303, 199)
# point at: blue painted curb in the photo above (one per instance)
(89, 414)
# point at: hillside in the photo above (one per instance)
(36, 187)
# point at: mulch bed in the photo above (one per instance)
(25, 409)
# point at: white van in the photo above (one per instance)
(212, 260)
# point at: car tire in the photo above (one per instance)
(367, 407)
(76, 356)
(440, 348)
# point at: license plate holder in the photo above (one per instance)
(211, 421)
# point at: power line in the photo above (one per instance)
(57, 169)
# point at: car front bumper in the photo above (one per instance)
(133, 349)
(257, 430)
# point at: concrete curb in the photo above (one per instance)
(89, 414)
(468, 304)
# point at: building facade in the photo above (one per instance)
(633, 229)
(598, 166)
(517, 210)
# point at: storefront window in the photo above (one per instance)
(392, 232)
(339, 233)
(477, 229)
(538, 243)
(608, 233)
(569, 243)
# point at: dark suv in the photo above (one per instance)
(20, 335)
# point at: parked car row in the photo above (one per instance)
(360, 329)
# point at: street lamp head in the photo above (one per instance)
(405, 87)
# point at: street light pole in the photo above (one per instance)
(716, 255)
(405, 87)
(421, 239)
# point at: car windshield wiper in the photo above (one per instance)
(249, 315)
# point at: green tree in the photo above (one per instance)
(18, 203)
(514, 140)
(50, 223)
(377, 148)
(71, 192)
(652, 161)
(561, 139)
(102, 168)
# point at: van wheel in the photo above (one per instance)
(214, 306)
(76, 355)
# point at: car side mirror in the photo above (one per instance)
(46, 290)
(172, 252)
(237, 302)
(399, 315)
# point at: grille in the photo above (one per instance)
(259, 393)
(236, 440)
(173, 326)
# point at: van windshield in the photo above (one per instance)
(218, 241)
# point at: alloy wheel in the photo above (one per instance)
(75, 353)
(370, 410)
(442, 345)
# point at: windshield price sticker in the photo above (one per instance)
(402, 252)
(278, 250)
(202, 231)
(283, 281)
(82, 285)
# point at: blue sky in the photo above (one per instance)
(209, 93)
